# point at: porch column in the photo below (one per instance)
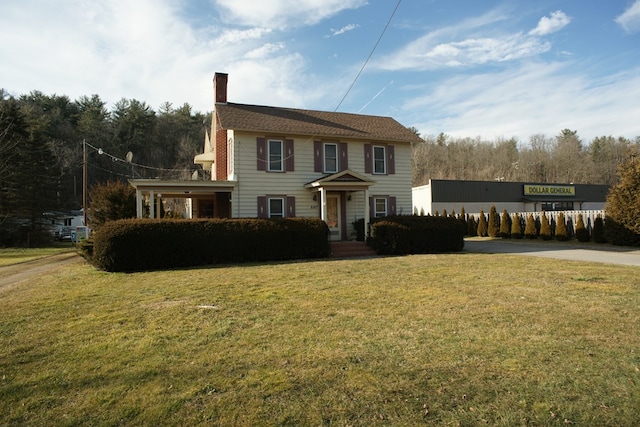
(323, 204)
(152, 205)
(139, 211)
(366, 212)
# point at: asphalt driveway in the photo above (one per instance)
(557, 250)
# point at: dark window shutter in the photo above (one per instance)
(343, 160)
(392, 206)
(263, 211)
(391, 160)
(291, 207)
(372, 207)
(318, 156)
(262, 154)
(368, 160)
(288, 155)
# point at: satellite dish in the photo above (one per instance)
(129, 157)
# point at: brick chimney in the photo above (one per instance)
(218, 134)
(220, 87)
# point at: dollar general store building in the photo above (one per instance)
(475, 196)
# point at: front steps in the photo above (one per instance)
(352, 249)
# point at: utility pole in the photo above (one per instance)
(84, 181)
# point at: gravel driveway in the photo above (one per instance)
(12, 275)
(570, 251)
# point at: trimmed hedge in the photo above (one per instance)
(146, 244)
(400, 235)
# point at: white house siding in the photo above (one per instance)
(252, 183)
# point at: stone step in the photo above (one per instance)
(350, 250)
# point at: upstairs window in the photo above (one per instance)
(379, 160)
(331, 158)
(275, 156)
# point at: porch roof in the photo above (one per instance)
(346, 180)
(181, 189)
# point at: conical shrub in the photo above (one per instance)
(493, 227)
(482, 225)
(562, 234)
(598, 230)
(530, 230)
(545, 227)
(582, 234)
(505, 225)
(516, 227)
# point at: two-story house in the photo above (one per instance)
(276, 162)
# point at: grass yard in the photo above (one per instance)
(462, 339)
(10, 256)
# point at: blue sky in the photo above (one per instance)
(468, 68)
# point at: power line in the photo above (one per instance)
(369, 57)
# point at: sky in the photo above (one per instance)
(466, 68)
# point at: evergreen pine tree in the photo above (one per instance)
(545, 227)
(516, 227)
(482, 225)
(530, 230)
(598, 230)
(505, 225)
(622, 225)
(462, 217)
(493, 227)
(582, 234)
(562, 234)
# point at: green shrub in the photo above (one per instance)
(561, 229)
(530, 230)
(598, 230)
(545, 227)
(462, 217)
(582, 234)
(472, 226)
(493, 227)
(399, 235)
(617, 233)
(482, 225)
(516, 227)
(505, 225)
(138, 244)
(358, 225)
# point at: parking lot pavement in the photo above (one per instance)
(605, 254)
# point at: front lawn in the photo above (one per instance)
(458, 339)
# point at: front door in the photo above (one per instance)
(333, 217)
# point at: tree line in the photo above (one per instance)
(564, 158)
(41, 150)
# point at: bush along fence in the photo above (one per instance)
(584, 226)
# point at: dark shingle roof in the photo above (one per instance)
(310, 122)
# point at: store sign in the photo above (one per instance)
(549, 190)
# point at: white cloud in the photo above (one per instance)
(547, 25)
(279, 13)
(143, 50)
(474, 41)
(531, 99)
(344, 29)
(630, 19)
